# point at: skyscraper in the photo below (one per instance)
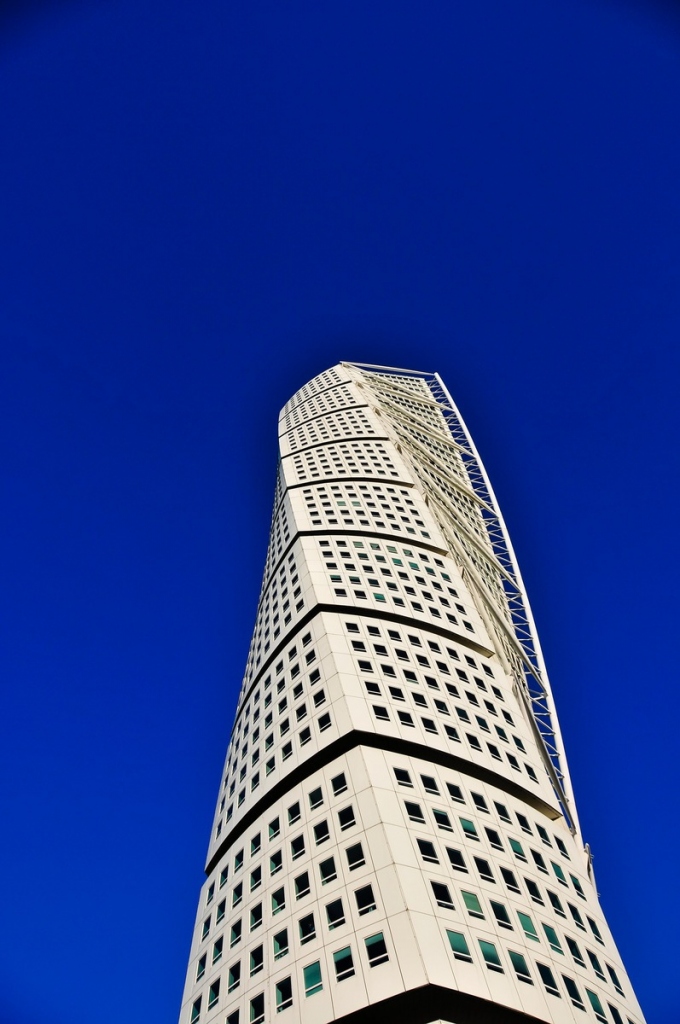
(395, 835)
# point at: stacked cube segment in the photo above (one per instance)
(395, 835)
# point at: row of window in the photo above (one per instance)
(503, 918)
(470, 831)
(431, 787)
(518, 964)
(375, 951)
(340, 505)
(335, 916)
(304, 736)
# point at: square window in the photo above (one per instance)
(346, 818)
(490, 954)
(327, 871)
(280, 942)
(234, 976)
(376, 949)
(335, 914)
(472, 904)
(339, 784)
(414, 811)
(521, 966)
(284, 994)
(302, 887)
(256, 960)
(427, 851)
(278, 901)
(343, 963)
(312, 978)
(355, 857)
(365, 900)
(459, 946)
(321, 833)
(307, 929)
(442, 895)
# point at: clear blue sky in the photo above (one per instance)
(202, 205)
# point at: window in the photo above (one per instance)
(255, 878)
(206, 928)
(479, 802)
(275, 862)
(501, 914)
(576, 914)
(429, 784)
(534, 891)
(556, 903)
(256, 960)
(573, 992)
(538, 861)
(200, 967)
(516, 848)
(307, 928)
(376, 949)
(235, 933)
(596, 1005)
(335, 914)
(615, 979)
(491, 957)
(577, 885)
(427, 851)
(297, 847)
(595, 930)
(456, 858)
(596, 965)
(414, 812)
(469, 829)
(548, 979)
(521, 967)
(321, 833)
(339, 784)
(551, 936)
(274, 828)
(510, 879)
(442, 819)
(302, 885)
(459, 946)
(494, 838)
(280, 942)
(196, 1010)
(312, 978)
(528, 926)
(365, 900)
(346, 818)
(217, 949)
(284, 994)
(575, 951)
(455, 792)
(403, 777)
(232, 1018)
(343, 963)
(442, 895)
(355, 857)
(257, 1009)
(256, 917)
(559, 873)
(293, 813)
(474, 907)
(278, 901)
(616, 1016)
(234, 976)
(503, 813)
(327, 871)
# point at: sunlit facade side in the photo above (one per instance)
(395, 833)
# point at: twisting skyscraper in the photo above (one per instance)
(395, 835)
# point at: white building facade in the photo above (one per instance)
(395, 835)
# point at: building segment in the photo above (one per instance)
(395, 834)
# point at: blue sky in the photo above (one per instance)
(204, 205)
